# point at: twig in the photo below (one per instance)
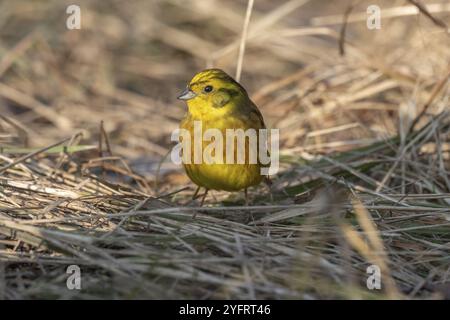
(30, 155)
(425, 11)
(243, 40)
(344, 29)
(436, 89)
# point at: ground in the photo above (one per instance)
(86, 180)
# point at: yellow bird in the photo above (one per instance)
(219, 102)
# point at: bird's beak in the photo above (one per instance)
(187, 94)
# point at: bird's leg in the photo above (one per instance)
(268, 183)
(196, 193)
(269, 186)
(203, 198)
(250, 213)
(195, 196)
(246, 197)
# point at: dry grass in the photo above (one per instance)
(86, 118)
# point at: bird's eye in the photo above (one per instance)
(208, 89)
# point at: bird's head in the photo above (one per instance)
(213, 91)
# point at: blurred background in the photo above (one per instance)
(344, 97)
(129, 60)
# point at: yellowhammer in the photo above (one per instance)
(217, 101)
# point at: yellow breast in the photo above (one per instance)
(221, 176)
